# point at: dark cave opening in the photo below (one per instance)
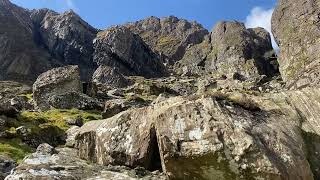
(155, 159)
(85, 87)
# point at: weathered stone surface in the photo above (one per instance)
(67, 37)
(105, 79)
(65, 165)
(21, 58)
(295, 25)
(11, 89)
(125, 139)
(109, 78)
(6, 108)
(6, 164)
(169, 36)
(119, 48)
(227, 135)
(231, 49)
(75, 121)
(72, 132)
(115, 106)
(54, 82)
(70, 100)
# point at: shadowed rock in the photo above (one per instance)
(119, 48)
(21, 58)
(67, 37)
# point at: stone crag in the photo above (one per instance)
(160, 98)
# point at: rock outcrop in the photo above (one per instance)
(21, 58)
(67, 37)
(72, 99)
(109, 78)
(295, 25)
(119, 48)
(54, 82)
(231, 49)
(228, 136)
(6, 165)
(63, 163)
(169, 36)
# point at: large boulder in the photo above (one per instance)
(119, 48)
(231, 49)
(295, 25)
(221, 136)
(126, 139)
(21, 57)
(54, 82)
(169, 36)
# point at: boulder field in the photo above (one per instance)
(160, 98)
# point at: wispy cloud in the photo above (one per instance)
(260, 17)
(71, 5)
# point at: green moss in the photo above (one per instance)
(55, 117)
(28, 96)
(14, 149)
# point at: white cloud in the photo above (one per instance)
(260, 17)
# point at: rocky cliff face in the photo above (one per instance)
(35, 41)
(295, 25)
(21, 58)
(231, 49)
(67, 37)
(120, 48)
(167, 99)
(169, 36)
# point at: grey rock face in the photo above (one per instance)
(6, 164)
(228, 136)
(11, 89)
(54, 82)
(109, 77)
(70, 100)
(71, 136)
(75, 121)
(64, 164)
(295, 25)
(129, 139)
(231, 49)
(169, 36)
(67, 37)
(240, 50)
(21, 58)
(45, 149)
(119, 48)
(7, 109)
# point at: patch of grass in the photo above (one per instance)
(14, 149)
(28, 96)
(165, 41)
(56, 117)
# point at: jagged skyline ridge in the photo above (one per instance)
(113, 12)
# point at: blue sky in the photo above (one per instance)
(103, 13)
